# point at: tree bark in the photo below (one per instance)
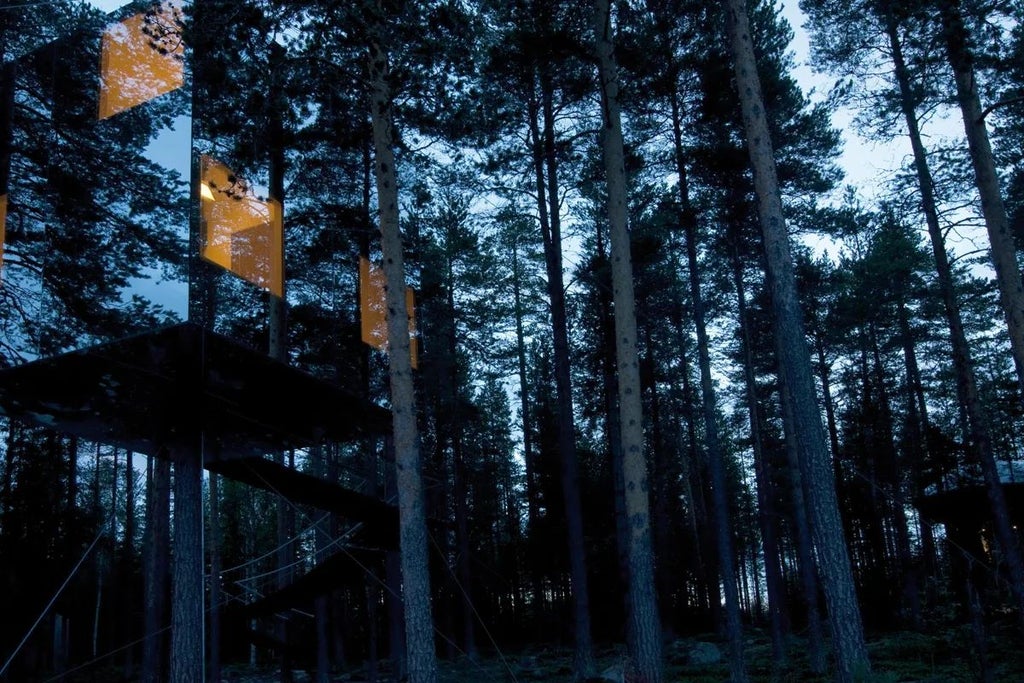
(277, 346)
(613, 432)
(646, 652)
(550, 221)
(187, 614)
(532, 503)
(157, 562)
(419, 623)
(794, 360)
(767, 513)
(213, 671)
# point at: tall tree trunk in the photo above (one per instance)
(1000, 234)
(213, 671)
(645, 649)
(532, 494)
(613, 432)
(690, 477)
(97, 507)
(10, 460)
(794, 360)
(716, 457)
(128, 543)
(396, 616)
(187, 614)
(917, 440)
(461, 485)
(894, 474)
(804, 541)
(283, 558)
(550, 222)
(767, 512)
(278, 343)
(419, 623)
(824, 373)
(966, 383)
(157, 560)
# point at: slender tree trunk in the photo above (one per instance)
(461, 485)
(706, 594)
(613, 432)
(319, 456)
(646, 652)
(323, 640)
(463, 566)
(396, 619)
(113, 624)
(187, 614)
(550, 221)
(804, 541)
(10, 460)
(97, 507)
(794, 359)
(1004, 255)
(894, 463)
(419, 622)
(278, 346)
(826, 397)
(532, 494)
(918, 449)
(767, 512)
(112, 521)
(128, 543)
(283, 558)
(213, 671)
(716, 457)
(157, 563)
(967, 391)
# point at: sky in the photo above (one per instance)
(869, 165)
(864, 162)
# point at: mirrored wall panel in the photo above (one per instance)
(95, 175)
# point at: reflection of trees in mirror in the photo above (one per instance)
(241, 232)
(141, 58)
(90, 213)
(163, 24)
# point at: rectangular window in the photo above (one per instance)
(241, 232)
(141, 58)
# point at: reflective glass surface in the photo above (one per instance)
(159, 167)
(96, 170)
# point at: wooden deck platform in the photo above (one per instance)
(178, 386)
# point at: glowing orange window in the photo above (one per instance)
(142, 57)
(373, 310)
(240, 231)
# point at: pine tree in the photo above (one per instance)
(644, 627)
(794, 361)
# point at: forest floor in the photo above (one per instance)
(902, 657)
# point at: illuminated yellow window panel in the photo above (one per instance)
(142, 57)
(373, 310)
(240, 232)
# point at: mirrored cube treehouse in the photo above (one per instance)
(160, 290)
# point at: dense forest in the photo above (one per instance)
(667, 375)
